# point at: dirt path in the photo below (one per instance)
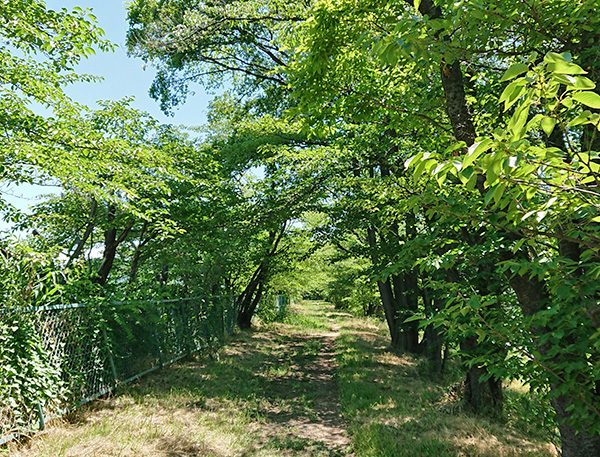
(270, 392)
(323, 422)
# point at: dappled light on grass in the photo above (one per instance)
(274, 393)
(270, 393)
(397, 410)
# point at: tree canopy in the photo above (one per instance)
(435, 161)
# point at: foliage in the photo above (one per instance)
(40, 49)
(541, 195)
(451, 149)
(273, 308)
(403, 412)
(29, 381)
(210, 42)
(28, 378)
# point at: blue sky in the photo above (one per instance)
(123, 76)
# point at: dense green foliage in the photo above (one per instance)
(432, 162)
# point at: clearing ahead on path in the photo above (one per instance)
(268, 393)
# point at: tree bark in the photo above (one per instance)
(533, 297)
(135, 261)
(86, 235)
(248, 300)
(482, 396)
(432, 342)
(531, 292)
(111, 243)
(390, 310)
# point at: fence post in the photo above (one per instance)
(186, 326)
(155, 332)
(111, 361)
(224, 330)
(41, 417)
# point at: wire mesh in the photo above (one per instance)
(64, 355)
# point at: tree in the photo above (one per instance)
(547, 210)
(377, 83)
(40, 49)
(210, 42)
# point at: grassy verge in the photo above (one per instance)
(254, 398)
(396, 410)
(270, 393)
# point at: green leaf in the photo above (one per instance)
(455, 147)
(419, 169)
(474, 302)
(472, 181)
(534, 121)
(580, 83)
(590, 99)
(518, 245)
(518, 120)
(488, 196)
(585, 117)
(410, 160)
(566, 68)
(514, 71)
(437, 169)
(511, 93)
(498, 192)
(563, 291)
(414, 317)
(475, 150)
(553, 57)
(548, 124)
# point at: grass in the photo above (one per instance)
(396, 409)
(286, 389)
(257, 398)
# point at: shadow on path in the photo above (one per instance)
(281, 381)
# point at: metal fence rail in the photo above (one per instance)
(80, 352)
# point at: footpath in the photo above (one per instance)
(268, 392)
(320, 384)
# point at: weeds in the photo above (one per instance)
(395, 409)
(262, 396)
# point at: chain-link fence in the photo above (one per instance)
(61, 355)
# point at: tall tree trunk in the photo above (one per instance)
(432, 340)
(111, 243)
(531, 292)
(405, 289)
(390, 306)
(481, 395)
(86, 234)
(390, 310)
(533, 297)
(248, 300)
(135, 261)
(410, 294)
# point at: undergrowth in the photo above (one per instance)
(396, 409)
(254, 398)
